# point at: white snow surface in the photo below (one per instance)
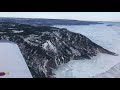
(113, 72)
(106, 36)
(12, 61)
(15, 31)
(48, 45)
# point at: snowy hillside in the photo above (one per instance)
(45, 48)
(88, 52)
(12, 61)
(106, 36)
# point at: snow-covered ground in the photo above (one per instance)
(114, 72)
(12, 61)
(106, 36)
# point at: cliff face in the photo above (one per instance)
(44, 47)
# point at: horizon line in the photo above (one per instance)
(61, 19)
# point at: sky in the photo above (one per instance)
(87, 16)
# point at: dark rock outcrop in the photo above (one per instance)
(44, 47)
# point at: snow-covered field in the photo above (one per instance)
(106, 36)
(12, 61)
